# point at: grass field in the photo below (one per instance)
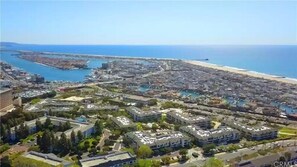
(288, 130)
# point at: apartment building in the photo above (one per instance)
(117, 159)
(144, 116)
(221, 135)
(86, 128)
(155, 141)
(50, 159)
(124, 123)
(183, 118)
(6, 100)
(253, 132)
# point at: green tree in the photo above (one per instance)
(99, 127)
(156, 163)
(165, 160)
(143, 163)
(73, 137)
(154, 127)
(60, 127)
(3, 132)
(213, 162)
(183, 153)
(208, 149)
(80, 135)
(46, 142)
(153, 102)
(63, 143)
(86, 145)
(38, 125)
(38, 140)
(47, 123)
(66, 126)
(144, 151)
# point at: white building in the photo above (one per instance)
(253, 132)
(86, 128)
(144, 116)
(183, 118)
(221, 135)
(158, 140)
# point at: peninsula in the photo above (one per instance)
(61, 63)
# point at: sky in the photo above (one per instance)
(149, 22)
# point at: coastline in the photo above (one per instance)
(244, 72)
(193, 62)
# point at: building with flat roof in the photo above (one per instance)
(137, 99)
(253, 132)
(50, 159)
(123, 122)
(86, 128)
(117, 159)
(183, 118)
(221, 135)
(155, 141)
(6, 99)
(144, 116)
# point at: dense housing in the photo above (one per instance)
(188, 119)
(253, 132)
(124, 123)
(144, 116)
(158, 140)
(86, 128)
(117, 159)
(221, 135)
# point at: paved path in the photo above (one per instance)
(105, 135)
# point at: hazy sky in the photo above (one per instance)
(149, 22)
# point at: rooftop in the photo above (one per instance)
(138, 111)
(47, 158)
(186, 116)
(150, 138)
(123, 120)
(106, 159)
(197, 132)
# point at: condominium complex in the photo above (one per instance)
(188, 119)
(117, 159)
(158, 140)
(86, 128)
(123, 122)
(221, 135)
(50, 159)
(144, 116)
(6, 100)
(253, 132)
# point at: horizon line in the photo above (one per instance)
(260, 44)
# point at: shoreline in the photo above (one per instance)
(244, 72)
(193, 62)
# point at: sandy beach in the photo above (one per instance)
(245, 72)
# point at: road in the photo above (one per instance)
(289, 144)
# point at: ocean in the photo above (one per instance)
(270, 59)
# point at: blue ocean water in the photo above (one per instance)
(50, 73)
(271, 59)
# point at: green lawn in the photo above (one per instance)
(82, 143)
(288, 130)
(31, 137)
